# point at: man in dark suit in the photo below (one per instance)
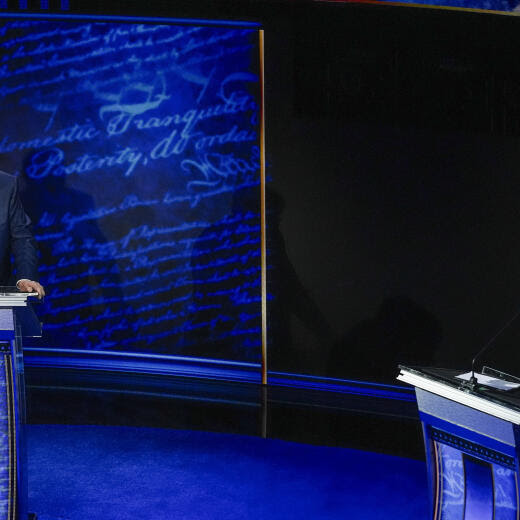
(16, 240)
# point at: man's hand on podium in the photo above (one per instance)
(25, 285)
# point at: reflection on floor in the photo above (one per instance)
(116, 473)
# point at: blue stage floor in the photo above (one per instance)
(116, 473)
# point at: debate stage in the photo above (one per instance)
(118, 452)
(248, 214)
(116, 473)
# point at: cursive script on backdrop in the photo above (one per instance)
(137, 151)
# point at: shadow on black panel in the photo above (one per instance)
(288, 298)
(401, 332)
(77, 266)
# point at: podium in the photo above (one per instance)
(472, 442)
(17, 319)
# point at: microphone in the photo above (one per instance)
(472, 383)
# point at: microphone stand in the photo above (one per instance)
(473, 382)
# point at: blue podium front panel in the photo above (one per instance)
(472, 441)
(469, 488)
(450, 482)
(473, 476)
(469, 419)
(506, 493)
(479, 499)
(8, 449)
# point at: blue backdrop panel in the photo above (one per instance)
(136, 147)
